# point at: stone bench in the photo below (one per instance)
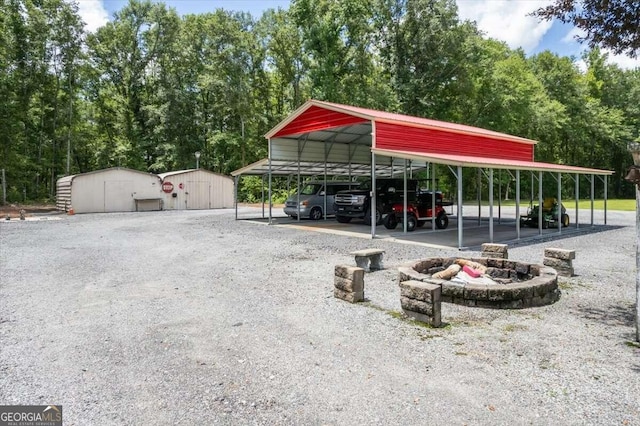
(349, 283)
(421, 301)
(369, 259)
(561, 260)
(497, 251)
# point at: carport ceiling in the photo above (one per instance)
(351, 134)
(308, 168)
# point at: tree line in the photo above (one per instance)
(150, 88)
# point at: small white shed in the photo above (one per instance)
(196, 189)
(109, 190)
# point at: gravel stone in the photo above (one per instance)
(191, 317)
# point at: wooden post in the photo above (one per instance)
(634, 148)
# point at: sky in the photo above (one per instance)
(504, 20)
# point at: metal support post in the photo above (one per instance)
(433, 197)
(373, 198)
(577, 177)
(540, 201)
(270, 188)
(499, 196)
(491, 205)
(560, 203)
(460, 220)
(592, 196)
(606, 190)
(404, 199)
(479, 189)
(299, 182)
(518, 204)
(324, 207)
(263, 196)
(236, 181)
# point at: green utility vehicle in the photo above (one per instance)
(551, 216)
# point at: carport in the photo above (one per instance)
(328, 138)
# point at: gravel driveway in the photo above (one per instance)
(194, 318)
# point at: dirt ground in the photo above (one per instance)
(13, 210)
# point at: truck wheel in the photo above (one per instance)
(343, 219)
(421, 223)
(367, 217)
(390, 222)
(565, 220)
(411, 223)
(316, 213)
(442, 221)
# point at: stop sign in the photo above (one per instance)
(167, 187)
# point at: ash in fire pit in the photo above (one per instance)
(487, 282)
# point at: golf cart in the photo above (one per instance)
(419, 212)
(550, 216)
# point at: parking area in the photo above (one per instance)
(476, 231)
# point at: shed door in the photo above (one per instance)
(118, 196)
(198, 195)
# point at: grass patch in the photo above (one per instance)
(565, 285)
(395, 314)
(546, 364)
(510, 328)
(402, 317)
(575, 282)
(632, 344)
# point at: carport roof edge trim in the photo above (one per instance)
(394, 118)
(495, 163)
(257, 165)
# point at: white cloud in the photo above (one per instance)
(623, 61)
(570, 37)
(93, 14)
(582, 65)
(507, 20)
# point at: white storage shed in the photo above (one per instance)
(109, 190)
(196, 189)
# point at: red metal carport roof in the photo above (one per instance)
(403, 136)
(291, 125)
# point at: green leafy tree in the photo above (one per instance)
(339, 44)
(426, 48)
(127, 57)
(284, 62)
(41, 48)
(610, 24)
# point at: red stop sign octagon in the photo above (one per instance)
(167, 187)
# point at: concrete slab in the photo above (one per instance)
(475, 231)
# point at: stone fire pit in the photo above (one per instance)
(518, 284)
